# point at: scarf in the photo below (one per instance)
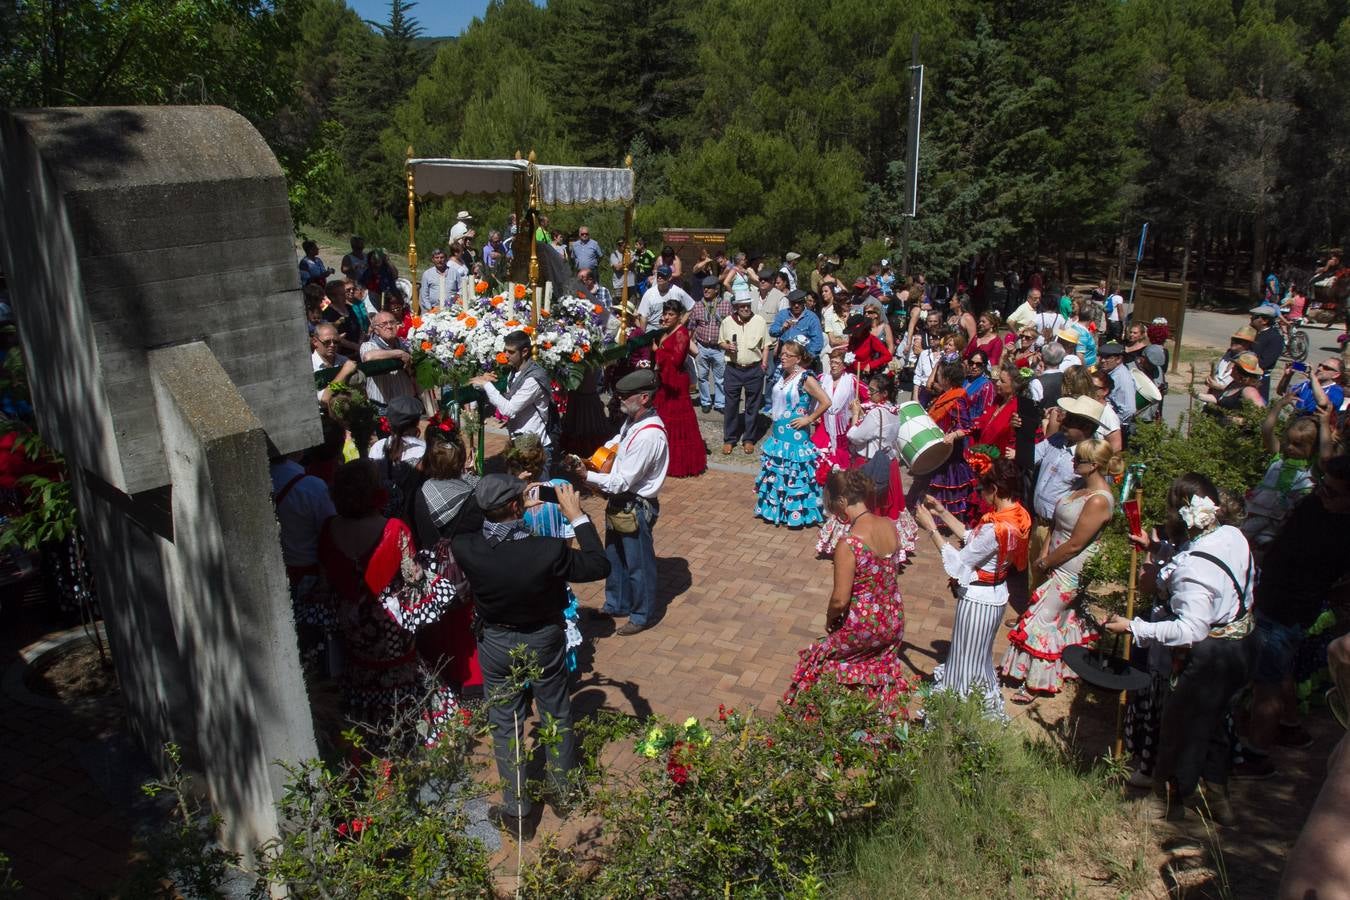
(975, 384)
(943, 405)
(840, 399)
(1012, 529)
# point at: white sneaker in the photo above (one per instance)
(1139, 780)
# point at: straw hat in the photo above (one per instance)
(1249, 363)
(1084, 407)
(1245, 333)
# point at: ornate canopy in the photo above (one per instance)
(556, 186)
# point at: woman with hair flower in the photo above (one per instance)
(1053, 622)
(980, 566)
(979, 386)
(831, 434)
(787, 491)
(1202, 569)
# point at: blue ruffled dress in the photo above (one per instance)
(786, 487)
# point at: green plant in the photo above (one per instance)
(46, 510)
(9, 885)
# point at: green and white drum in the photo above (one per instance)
(920, 440)
(1146, 393)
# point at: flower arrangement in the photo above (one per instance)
(981, 457)
(452, 345)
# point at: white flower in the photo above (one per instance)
(1200, 513)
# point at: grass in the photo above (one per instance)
(988, 812)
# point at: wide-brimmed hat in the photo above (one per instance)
(1249, 363)
(1068, 334)
(1245, 333)
(1083, 407)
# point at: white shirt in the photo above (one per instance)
(641, 463)
(615, 263)
(653, 300)
(526, 411)
(1047, 321)
(978, 553)
(791, 274)
(338, 360)
(1110, 422)
(414, 449)
(301, 513)
(1199, 593)
(924, 366)
(1022, 316)
(875, 432)
(1116, 302)
(1056, 476)
(439, 288)
(383, 388)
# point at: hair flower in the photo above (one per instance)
(1027, 372)
(801, 340)
(1200, 512)
(979, 462)
(850, 358)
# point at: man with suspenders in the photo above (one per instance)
(642, 455)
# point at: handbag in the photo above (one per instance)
(621, 518)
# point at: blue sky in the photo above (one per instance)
(439, 18)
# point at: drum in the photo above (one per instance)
(1146, 393)
(920, 440)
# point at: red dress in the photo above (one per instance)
(688, 453)
(870, 354)
(993, 350)
(995, 426)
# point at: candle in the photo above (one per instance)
(548, 296)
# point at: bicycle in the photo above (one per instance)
(1296, 342)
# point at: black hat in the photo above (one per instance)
(402, 412)
(1110, 672)
(709, 281)
(1111, 348)
(766, 274)
(497, 489)
(797, 296)
(638, 382)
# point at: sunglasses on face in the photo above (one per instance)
(327, 343)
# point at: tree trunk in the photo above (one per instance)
(1207, 237)
(1186, 258)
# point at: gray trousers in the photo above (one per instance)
(508, 709)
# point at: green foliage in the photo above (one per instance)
(9, 885)
(1229, 453)
(982, 811)
(46, 507)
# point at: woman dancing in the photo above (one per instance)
(786, 487)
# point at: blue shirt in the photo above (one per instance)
(807, 325)
(1306, 402)
(1122, 395)
(1087, 344)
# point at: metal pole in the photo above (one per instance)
(412, 239)
(1129, 614)
(912, 154)
(1143, 236)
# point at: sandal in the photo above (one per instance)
(1022, 698)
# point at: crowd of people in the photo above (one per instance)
(832, 386)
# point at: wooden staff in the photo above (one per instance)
(1129, 614)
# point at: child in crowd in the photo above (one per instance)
(1288, 479)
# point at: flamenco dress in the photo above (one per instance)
(865, 652)
(953, 483)
(787, 491)
(688, 453)
(1052, 621)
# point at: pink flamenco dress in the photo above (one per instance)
(688, 453)
(874, 438)
(865, 652)
(1052, 621)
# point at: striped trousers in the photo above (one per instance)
(969, 666)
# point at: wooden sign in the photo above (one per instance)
(1166, 299)
(689, 243)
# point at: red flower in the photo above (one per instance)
(768, 742)
(466, 716)
(677, 770)
(721, 712)
(342, 828)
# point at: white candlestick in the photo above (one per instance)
(548, 296)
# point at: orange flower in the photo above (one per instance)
(585, 348)
(581, 295)
(460, 351)
(497, 301)
(528, 329)
(547, 345)
(576, 357)
(512, 323)
(461, 315)
(544, 314)
(471, 322)
(417, 321)
(598, 309)
(520, 292)
(480, 288)
(502, 359)
(426, 345)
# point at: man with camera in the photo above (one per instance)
(519, 584)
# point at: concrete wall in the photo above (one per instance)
(153, 279)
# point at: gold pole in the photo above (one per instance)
(625, 262)
(1129, 614)
(534, 254)
(412, 239)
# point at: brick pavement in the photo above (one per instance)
(742, 599)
